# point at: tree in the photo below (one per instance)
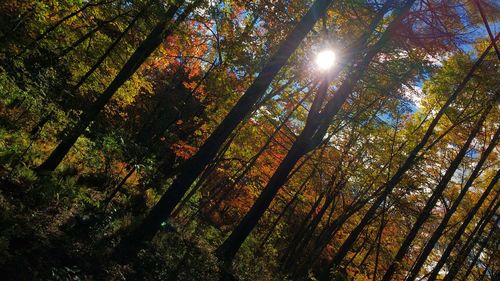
(409, 162)
(195, 165)
(313, 133)
(439, 230)
(164, 28)
(438, 191)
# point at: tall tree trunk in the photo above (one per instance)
(467, 248)
(311, 136)
(110, 48)
(470, 215)
(274, 224)
(247, 167)
(308, 233)
(409, 162)
(328, 232)
(299, 233)
(378, 240)
(164, 28)
(442, 225)
(196, 164)
(88, 35)
(57, 24)
(436, 194)
(231, 245)
(483, 245)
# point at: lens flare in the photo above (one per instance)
(325, 60)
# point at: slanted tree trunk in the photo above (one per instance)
(436, 194)
(469, 245)
(110, 48)
(483, 245)
(299, 233)
(164, 28)
(329, 231)
(88, 35)
(464, 225)
(409, 162)
(228, 249)
(247, 167)
(274, 224)
(58, 23)
(316, 126)
(197, 163)
(444, 222)
(378, 241)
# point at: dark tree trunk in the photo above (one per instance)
(57, 24)
(409, 162)
(467, 248)
(196, 164)
(231, 245)
(299, 234)
(483, 245)
(456, 238)
(378, 240)
(154, 39)
(88, 35)
(442, 225)
(285, 209)
(248, 166)
(437, 193)
(108, 51)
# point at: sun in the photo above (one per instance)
(325, 60)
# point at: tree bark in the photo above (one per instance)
(288, 205)
(467, 248)
(164, 28)
(196, 164)
(57, 24)
(409, 162)
(87, 35)
(438, 191)
(440, 229)
(108, 51)
(483, 245)
(464, 225)
(231, 245)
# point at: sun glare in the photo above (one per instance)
(325, 60)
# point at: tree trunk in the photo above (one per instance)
(467, 248)
(440, 229)
(456, 238)
(108, 51)
(479, 252)
(299, 234)
(164, 28)
(231, 245)
(87, 35)
(409, 162)
(378, 240)
(196, 164)
(248, 166)
(288, 205)
(57, 24)
(438, 191)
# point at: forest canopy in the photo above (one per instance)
(249, 140)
